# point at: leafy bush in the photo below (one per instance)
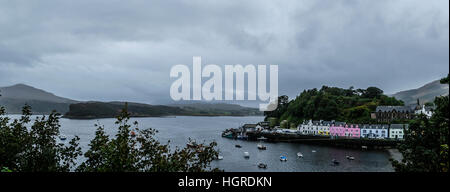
(34, 148)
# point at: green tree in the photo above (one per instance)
(373, 92)
(35, 149)
(126, 153)
(425, 148)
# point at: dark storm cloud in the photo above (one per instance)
(123, 50)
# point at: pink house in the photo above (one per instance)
(345, 131)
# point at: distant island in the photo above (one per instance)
(93, 110)
(13, 98)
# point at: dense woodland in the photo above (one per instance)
(331, 103)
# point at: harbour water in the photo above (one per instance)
(179, 129)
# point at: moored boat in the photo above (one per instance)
(227, 134)
(261, 147)
(242, 137)
(238, 146)
(299, 155)
(192, 144)
(262, 165)
(262, 138)
(246, 155)
(62, 137)
(335, 162)
(283, 158)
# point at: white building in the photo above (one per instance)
(397, 131)
(315, 127)
(427, 111)
(307, 128)
(375, 131)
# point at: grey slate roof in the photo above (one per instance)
(399, 126)
(375, 126)
(338, 123)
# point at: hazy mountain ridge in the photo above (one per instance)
(13, 98)
(42, 102)
(25, 92)
(426, 93)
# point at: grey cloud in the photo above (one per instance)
(116, 50)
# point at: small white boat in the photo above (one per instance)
(313, 151)
(219, 157)
(62, 137)
(299, 155)
(261, 147)
(246, 154)
(262, 138)
(350, 157)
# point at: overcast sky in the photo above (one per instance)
(123, 50)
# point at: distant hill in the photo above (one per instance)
(13, 98)
(224, 108)
(92, 110)
(425, 94)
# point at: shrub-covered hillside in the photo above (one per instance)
(331, 103)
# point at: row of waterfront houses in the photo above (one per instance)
(342, 129)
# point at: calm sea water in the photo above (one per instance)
(179, 129)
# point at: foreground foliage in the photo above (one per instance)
(425, 148)
(27, 146)
(36, 148)
(143, 153)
